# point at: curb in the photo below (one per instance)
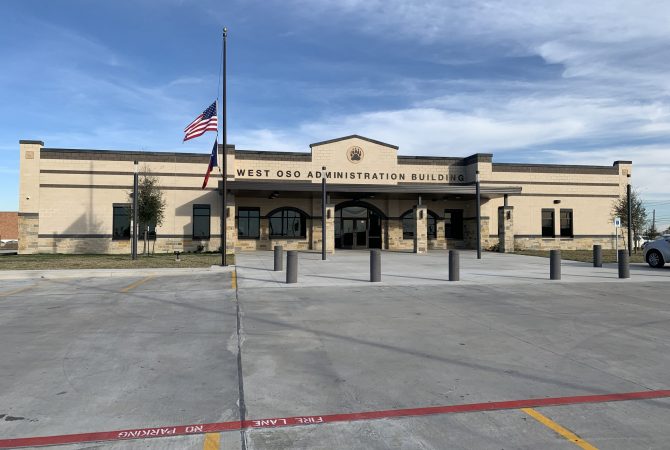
(108, 273)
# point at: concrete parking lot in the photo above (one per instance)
(161, 353)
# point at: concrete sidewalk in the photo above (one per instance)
(351, 267)
(107, 273)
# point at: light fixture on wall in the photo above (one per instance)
(556, 202)
(274, 195)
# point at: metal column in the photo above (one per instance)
(135, 227)
(479, 216)
(323, 213)
(630, 218)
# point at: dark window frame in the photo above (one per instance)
(202, 207)
(546, 229)
(285, 217)
(125, 207)
(407, 216)
(434, 217)
(571, 230)
(240, 217)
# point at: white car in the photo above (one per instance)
(657, 252)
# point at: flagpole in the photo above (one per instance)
(224, 197)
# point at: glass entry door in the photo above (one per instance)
(358, 226)
(354, 233)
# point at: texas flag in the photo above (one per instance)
(212, 163)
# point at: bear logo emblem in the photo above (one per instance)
(355, 154)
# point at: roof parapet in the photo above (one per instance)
(353, 136)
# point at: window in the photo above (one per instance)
(248, 223)
(453, 224)
(408, 225)
(432, 225)
(566, 223)
(121, 222)
(201, 215)
(548, 223)
(287, 223)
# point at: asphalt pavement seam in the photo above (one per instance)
(240, 379)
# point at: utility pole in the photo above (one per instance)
(135, 227)
(653, 220)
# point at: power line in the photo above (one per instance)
(657, 202)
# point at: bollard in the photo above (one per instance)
(597, 256)
(624, 268)
(375, 265)
(554, 264)
(279, 258)
(292, 266)
(454, 265)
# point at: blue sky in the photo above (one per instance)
(529, 81)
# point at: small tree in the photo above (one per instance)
(150, 203)
(651, 232)
(638, 212)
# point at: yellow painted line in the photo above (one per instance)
(234, 280)
(16, 291)
(135, 284)
(564, 432)
(212, 441)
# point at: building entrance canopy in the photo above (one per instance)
(257, 187)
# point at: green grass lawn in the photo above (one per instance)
(48, 262)
(609, 256)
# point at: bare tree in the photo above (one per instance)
(150, 205)
(638, 212)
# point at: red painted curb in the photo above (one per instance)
(184, 430)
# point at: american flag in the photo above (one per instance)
(206, 121)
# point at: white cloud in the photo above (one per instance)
(521, 129)
(446, 126)
(614, 89)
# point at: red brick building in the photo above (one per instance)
(9, 226)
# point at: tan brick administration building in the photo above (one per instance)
(76, 201)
